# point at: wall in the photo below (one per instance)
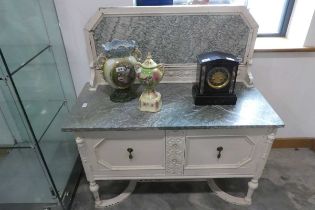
(310, 39)
(285, 79)
(73, 16)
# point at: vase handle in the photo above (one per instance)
(100, 62)
(137, 54)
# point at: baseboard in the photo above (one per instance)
(294, 143)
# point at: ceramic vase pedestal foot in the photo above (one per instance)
(150, 101)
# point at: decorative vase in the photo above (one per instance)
(150, 74)
(118, 63)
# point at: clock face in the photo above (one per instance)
(218, 77)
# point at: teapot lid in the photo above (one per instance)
(149, 63)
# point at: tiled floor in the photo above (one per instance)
(288, 183)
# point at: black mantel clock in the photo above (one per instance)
(216, 77)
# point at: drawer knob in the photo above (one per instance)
(219, 149)
(130, 150)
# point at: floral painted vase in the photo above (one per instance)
(150, 74)
(118, 64)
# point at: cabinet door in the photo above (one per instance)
(213, 155)
(128, 153)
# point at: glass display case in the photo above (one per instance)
(38, 162)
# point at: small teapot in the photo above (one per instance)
(150, 74)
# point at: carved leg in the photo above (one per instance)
(93, 186)
(252, 186)
(225, 196)
(94, 189)
(112, 201)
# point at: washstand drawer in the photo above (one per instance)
(128, 153)
(220, 155)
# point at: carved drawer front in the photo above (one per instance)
(126, 152)
(219, 155)
(175, 151)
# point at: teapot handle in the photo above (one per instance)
(161, 67)
(138, 65)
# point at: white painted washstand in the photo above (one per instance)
(232, 143)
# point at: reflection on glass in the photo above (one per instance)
(22, 178)
(6, 137)
(11, 113)
(59, 150)
(22, 32)
(32, 45)
(38, 85)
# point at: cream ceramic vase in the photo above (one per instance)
(150, 74)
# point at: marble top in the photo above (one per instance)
(178, 111)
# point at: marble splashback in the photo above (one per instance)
(176, 38)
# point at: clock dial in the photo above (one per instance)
(218, 77)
